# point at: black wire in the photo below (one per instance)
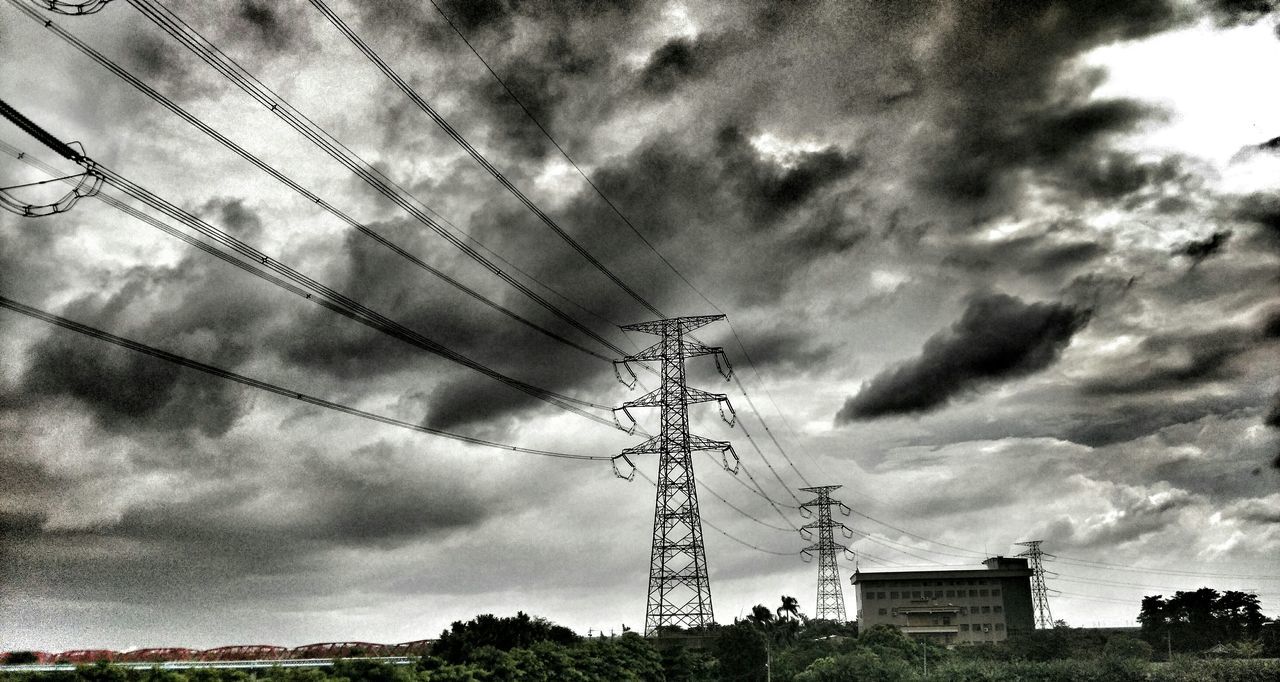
(573, 163)
(647, 243)
(201, 47)
(475, 154)
(289, 182)
(65, 323)
(721, 531)
(330, 298)
(40, 182)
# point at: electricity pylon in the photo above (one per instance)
(830, 602)
(1039, 593)
(679, 590)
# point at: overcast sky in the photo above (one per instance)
(1006, 271)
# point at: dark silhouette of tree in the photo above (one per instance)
(457, 644)
(790, 608)
(1195, 621)
(760, 615)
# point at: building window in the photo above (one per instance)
(915, 594)
(951, 593)
(999, 626)
(997, 609)
(995, 593)
(884, 612)
(964, 627)
(982, 593)
(986, 609)
(973, 594)
(928, 594)
(893, 595)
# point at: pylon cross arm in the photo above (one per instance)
(691, 349)
(683, 324)
(694, 395)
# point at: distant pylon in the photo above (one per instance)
(830, 602)
(1039, 593)
(679, 589)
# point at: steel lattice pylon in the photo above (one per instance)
(1039, 593)
(830, 602)
(679, 590)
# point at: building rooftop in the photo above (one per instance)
(995, 567)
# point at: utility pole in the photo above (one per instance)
(679, 589)
(830, 602)
(1039, 593)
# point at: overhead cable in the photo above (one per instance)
(200, 125)
(325, 295)
(719, 530)
(457, 137)
(229, 375)
(640, 235)
(242, 78)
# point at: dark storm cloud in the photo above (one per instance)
(175, 308)
(1228, 13)
(786, 346)
(1001, 71)
(543, 81)
(772, 189)
(1200, 249)
(1120, 176)
(319, 340)
(1042, 254)
(1263, 212)
(1180, 360)
(556, 58)
(374, 497)
(1135, 518)
(678, 61)
(265, 25)
(999, 337)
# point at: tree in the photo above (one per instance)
(458, 642)
(790, 607)
(1194, 621)
(760, 614)
(742, 651)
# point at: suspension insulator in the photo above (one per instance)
(725, 454)
(629, 429)
(89, 184)
(73, 8)
(624, 382)
(630, 476)
(732, 417)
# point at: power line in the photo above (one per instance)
(242, 78)
(229, 375)
(200, 125)
(1163, 571)
(449, 130)
(618, 212)
(327, 296)
(719, 530)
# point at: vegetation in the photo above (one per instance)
(794, 649)
(1192, 621)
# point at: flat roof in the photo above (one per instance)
(930, 574)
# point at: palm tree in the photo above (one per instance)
(760, 615)
(790, 607)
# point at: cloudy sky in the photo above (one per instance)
(1004, 271)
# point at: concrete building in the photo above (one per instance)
(949, 605)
